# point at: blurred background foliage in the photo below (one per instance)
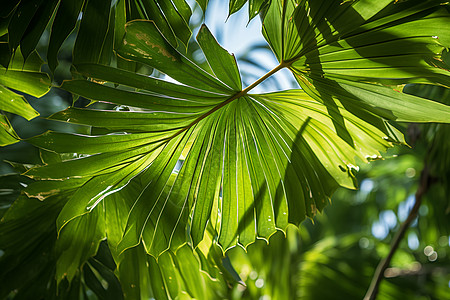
(336, 253)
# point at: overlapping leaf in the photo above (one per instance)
(24, 77)
(77, 260)
(28, 19)
(357, 52)
(254, 6)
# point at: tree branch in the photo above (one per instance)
(372, 292)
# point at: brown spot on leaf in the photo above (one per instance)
(313, 209)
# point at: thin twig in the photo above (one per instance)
(384, 263)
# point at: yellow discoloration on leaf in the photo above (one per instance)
(146, 38)
(42, 195)
(142, 52)
(313, 209)
(97, 81)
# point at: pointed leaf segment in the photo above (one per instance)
(25, 77)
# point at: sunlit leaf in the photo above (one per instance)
(251, 163)
(25, 77)
(7, 134)
(221, 62)
(189, 166)
(344, 53)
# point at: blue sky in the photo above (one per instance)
(238, 35)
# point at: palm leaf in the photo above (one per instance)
(79, 260)
(360, 53)
(250, 163)
(201, 155)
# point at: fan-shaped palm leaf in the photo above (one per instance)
(251, 163)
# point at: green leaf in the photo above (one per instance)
(34, 83)
(190, 272)
(144, 43)
(133, 274)
(142, 99)
(96, 189)
(254, 7)
(199, 161)
(145, 220)
(97, 274)
(360, 58)
(12, 185)
(247, 164)
(146, 83)
(401, 107)
(19, 63)
(183, 9)
(235, 5)
(28, 261)
(36, 27)
(23, 76)
(203, 4)
(174, 276)
(178, 23)
(14, 103)
(7, 134)
(87, 144)
(113, 120)
(77, 242)
(26, 76)
(20, 20)
(64, 23)
(43, 189)
(89, 44)
(251, 164)
(29, 20)
(221, 62)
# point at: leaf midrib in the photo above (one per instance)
(231, 99)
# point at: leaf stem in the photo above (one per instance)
(372, 292)
(232, 98)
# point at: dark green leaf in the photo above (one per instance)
(77, 242)
(90, 43)
(65, 20)
(20, 20)
(36, 27)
